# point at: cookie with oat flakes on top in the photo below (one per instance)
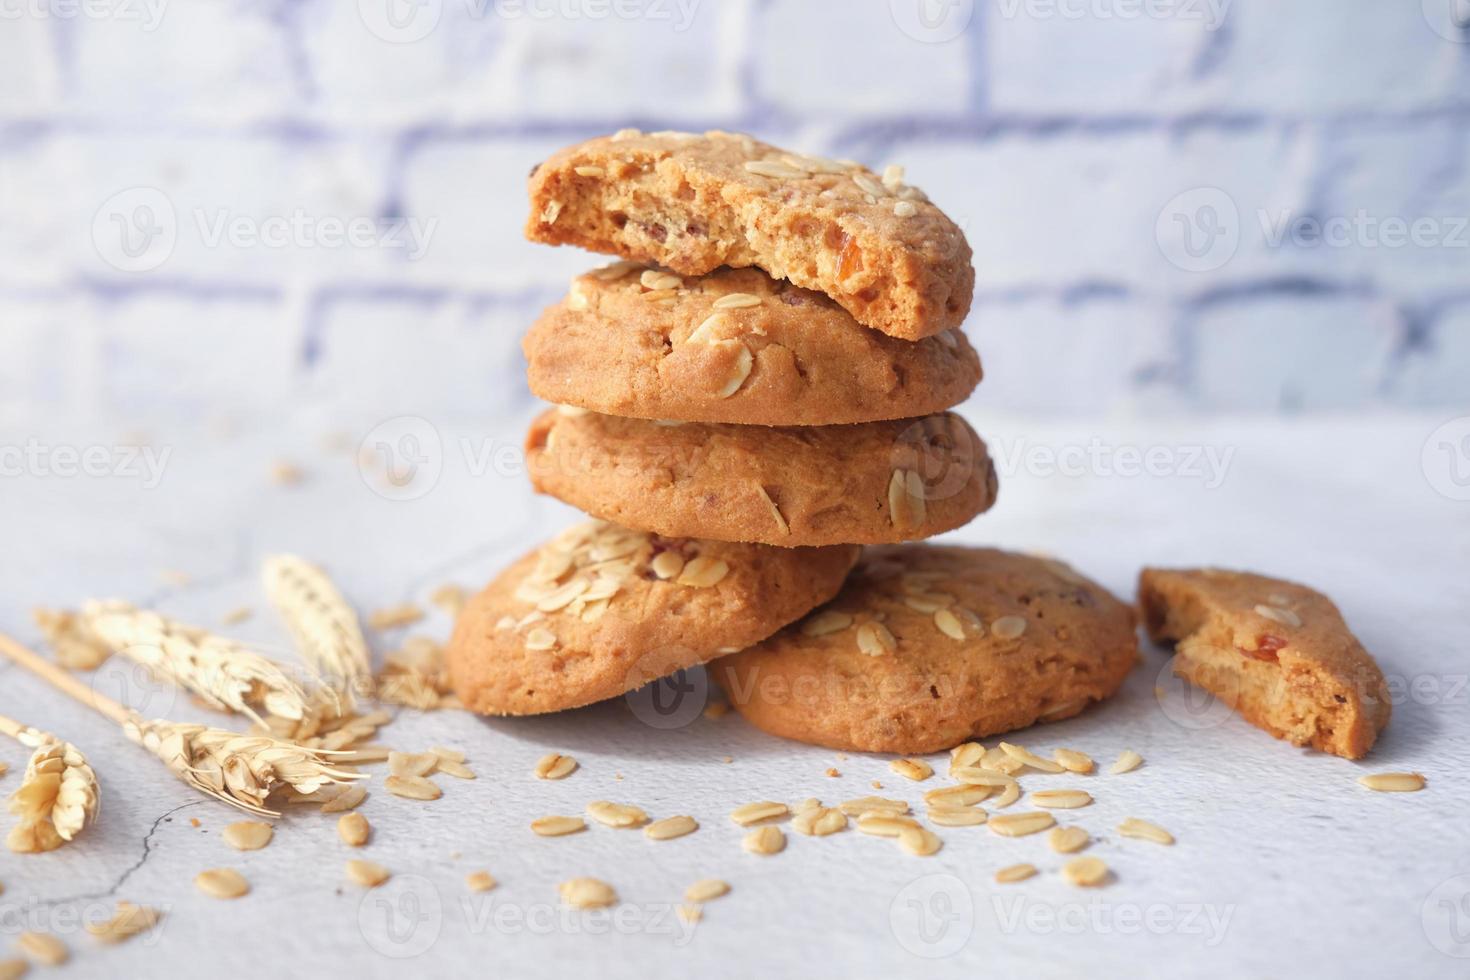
(601, 610)
(928, 646)
(734, 346)
(693, 203)
(1277, 652)
(873, 483)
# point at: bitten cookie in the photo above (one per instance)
(693, 203)
(928, 646)
(860, 484)
(602, 610)
(1277, 652)
(734, 346)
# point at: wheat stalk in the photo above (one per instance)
(58, 796)
(225, 674)
(241, 770)
(324, 625)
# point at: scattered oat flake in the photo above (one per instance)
(872, 804)
(1073, 761)
(670, 827)
(957, 816)
(706, 890)
(412, 787)
(1128, 761)
(885, 824)
(1086, 872)
(395, 617)
(764, 840)
(447, 755)
(716, 709)
(248, 835)
(1022, 754)
(456, 769)
(13, 968)
(479, 881)
(557, 826)
(1393, 782)
(127, 921)
(43, 947)
(1061, 799)
(354, 830)
(919, 841)
(1143, 830)
(222, 883)
(236, 616)
(286, 474)
(349, 799)
(1014, 873)
(1021, 824)
(366, 873)
(412, 763)
(616, 814)
(916, 769)
(1067, 840)
(587, 893)
(750, 813)
(690, 913)
(819, 821)
(555, 766)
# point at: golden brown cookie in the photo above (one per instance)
(927, 646)
(837, 484)
(601, 610)
(1277, 652)
(693, 203)
(734, 346)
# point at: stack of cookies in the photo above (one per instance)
(757, 389)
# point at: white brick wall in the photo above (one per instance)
(1086, 146)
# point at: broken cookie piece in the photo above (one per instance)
(1277, 652)
(692, 203)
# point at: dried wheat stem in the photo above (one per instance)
(62, 680)
(58, 796)
(324, 625)
(241, 770)
(225, 674)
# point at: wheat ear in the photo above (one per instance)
(324, 625)
(58, 796)
(241, 770)
(225, 674)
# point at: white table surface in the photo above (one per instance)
(1284, 865)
